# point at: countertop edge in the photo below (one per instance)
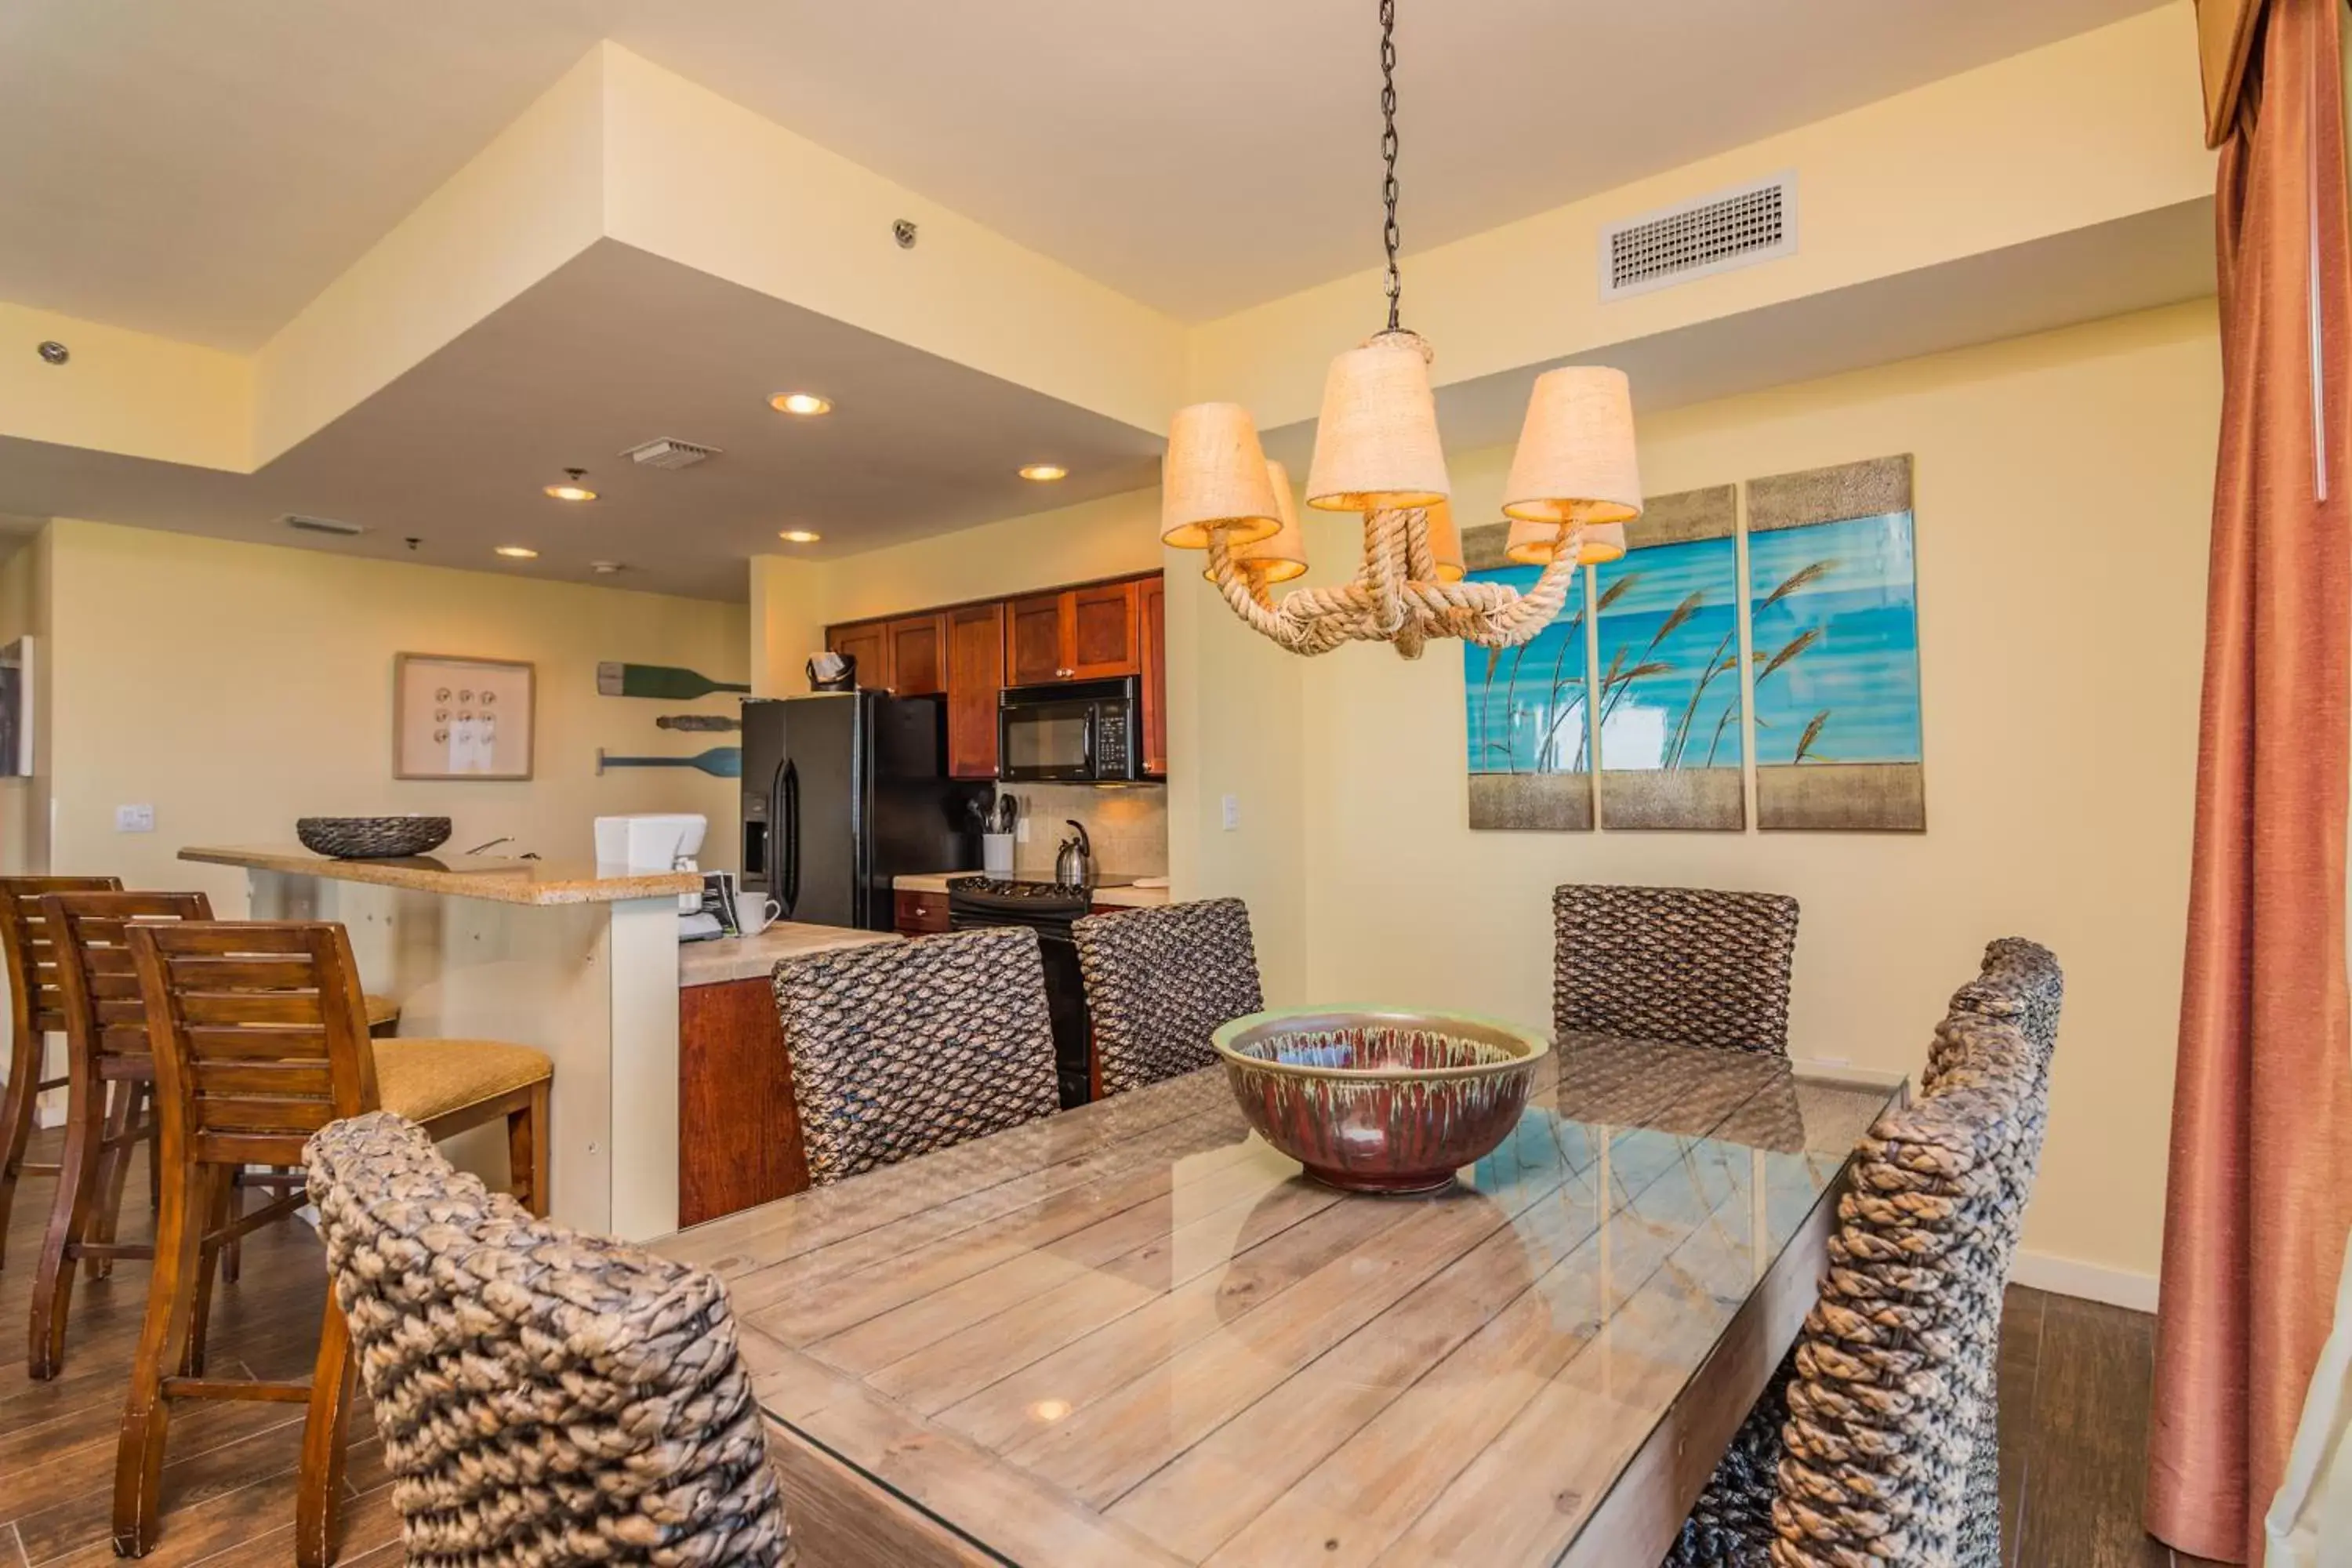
(490, 885)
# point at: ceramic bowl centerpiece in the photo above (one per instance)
(1380, 1101)
(370, 837)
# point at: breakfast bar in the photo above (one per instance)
(583, 962)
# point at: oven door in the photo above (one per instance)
(1046, 741)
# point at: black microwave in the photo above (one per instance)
(1080, 731)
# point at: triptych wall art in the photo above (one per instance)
(1641, 682)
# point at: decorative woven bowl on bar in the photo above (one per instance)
(372, 838)
(1378, 1100)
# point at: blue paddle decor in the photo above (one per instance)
(720, 761)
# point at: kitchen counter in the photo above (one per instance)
(1116, 897)
(499, 877)
(723, 959)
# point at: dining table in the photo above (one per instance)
(1134, 1333)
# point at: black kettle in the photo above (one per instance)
(1074, 866)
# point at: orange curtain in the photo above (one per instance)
(2261, 1184)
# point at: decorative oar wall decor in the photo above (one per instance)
(714, 722)
(665, 681)
(720, 761)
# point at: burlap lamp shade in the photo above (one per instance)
(1535, 543)
(1215, 475)
(1576, 458)
(1280, 556)
(1445, 543)
(1376, 445)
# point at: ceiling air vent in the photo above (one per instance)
(1714, 234)
(323, 525)
(670, 454)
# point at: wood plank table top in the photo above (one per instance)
(1134, 1334)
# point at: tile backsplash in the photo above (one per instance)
(1127, 823)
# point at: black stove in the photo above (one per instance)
(1048, 907)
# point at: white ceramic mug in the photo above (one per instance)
(756, 918)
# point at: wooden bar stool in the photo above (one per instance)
(259, 1036)
(107, 1050)
(33, 1017)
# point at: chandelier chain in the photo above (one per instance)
(1389, 153)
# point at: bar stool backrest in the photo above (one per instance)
(259, 1034)
(103, 1013)
(35, 1003)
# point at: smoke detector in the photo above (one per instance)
(1736, 227)
(669, 453)
(341, 529)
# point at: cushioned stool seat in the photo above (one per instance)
(425, 1080)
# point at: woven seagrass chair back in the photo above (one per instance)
(1160, 982)
(1873, 1470)
(1687, 965)
(903, 1047)
(545, 1398)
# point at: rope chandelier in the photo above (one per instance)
(1574, 484)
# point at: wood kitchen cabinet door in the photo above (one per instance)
(975, 673)
(918, 655)
(1153, 603)
(1036, 640)
(738, 1139)
(868, 643)
(1106, 631)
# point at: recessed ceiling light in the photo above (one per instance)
(800, 536)
(575, 489)
(518, 552)
(804, 402)
(604, 568)
(1045, 472)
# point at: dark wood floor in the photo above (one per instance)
(2074, 1390)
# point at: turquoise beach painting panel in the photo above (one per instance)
(1834, 638)
(1671, 746)
(1529, 750)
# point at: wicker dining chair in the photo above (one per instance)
(1689, 965)
(903, 1047)
(33, 1002)
(545, 1398)
(1844, 1460)
(1160, 982)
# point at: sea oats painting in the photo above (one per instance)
(1668, 713)
(1834, 635)
(1529, 760)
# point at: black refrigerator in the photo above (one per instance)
(842, 793)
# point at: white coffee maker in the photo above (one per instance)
(658, 841)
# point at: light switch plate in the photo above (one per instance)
(134, 819)
(1233, 812)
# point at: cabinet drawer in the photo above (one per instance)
(921, 914)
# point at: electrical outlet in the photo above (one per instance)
(134, 819)
(1233, 812)
(1020, 830)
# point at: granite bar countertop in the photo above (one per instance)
(501, 879)
(1117, 898)
(724, 958)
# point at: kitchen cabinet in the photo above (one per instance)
(740, 1133)
(1152, 618)
(921, 914)
(971, 653)
(918, 655)
(975, 673)
(1079, 633)
(1036, 643)
(866, 643)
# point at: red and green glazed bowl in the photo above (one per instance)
(1375, 1099)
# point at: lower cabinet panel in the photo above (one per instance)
(739, 1136)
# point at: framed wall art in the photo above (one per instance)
(461, 718)
(1529, 761)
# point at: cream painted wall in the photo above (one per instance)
(2063, 485)
(236, 687)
